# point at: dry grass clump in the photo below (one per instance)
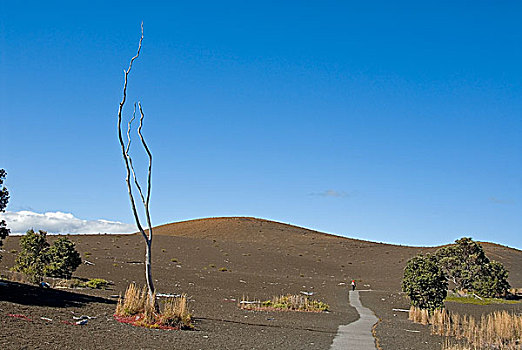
(497, 330)
(455, 346)
(133, 302)
(139, 309)
(289, 302)
(442, 322)
(175, 312)
(419, 315)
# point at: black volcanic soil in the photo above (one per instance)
(261, 258)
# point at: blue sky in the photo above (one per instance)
(397, 122)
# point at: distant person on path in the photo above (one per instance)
(353, 285)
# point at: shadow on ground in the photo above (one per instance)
(32, 295)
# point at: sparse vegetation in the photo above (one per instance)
(450, 346)
(497, 330)
(482, 301)
(138, 309)
(263, 273)
(175, 313)
(97, 283)
(289, 302)
(94, 283)
(133, 302)
(419, 315)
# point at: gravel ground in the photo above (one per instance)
(260, 259)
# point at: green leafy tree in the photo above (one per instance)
(4, 198)
(467, 265)
(32, 258)
(492, 282)
(463, 262)
(63, 259)
(424, 282)
(38, 259)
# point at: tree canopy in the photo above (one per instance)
(467, 265)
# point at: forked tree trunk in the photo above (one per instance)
(130, 171)
(148, 269)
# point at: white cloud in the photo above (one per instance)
(63, 223)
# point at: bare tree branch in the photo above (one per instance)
(136, 182)
(129, 130)
(146, 203)
(125, 148)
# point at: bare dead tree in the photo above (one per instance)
(145, 199)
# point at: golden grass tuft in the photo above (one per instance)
(418, 315)
(175, 313)
(439, 322)
(137, 308)
(497, 330)
(133, 302)
(448, 345)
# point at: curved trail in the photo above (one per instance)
(358, 334)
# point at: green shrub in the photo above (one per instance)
(63, 259)
(97, 283)
(32, 259)
(38, 259)
(424, 282)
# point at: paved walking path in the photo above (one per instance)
(356, 335)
